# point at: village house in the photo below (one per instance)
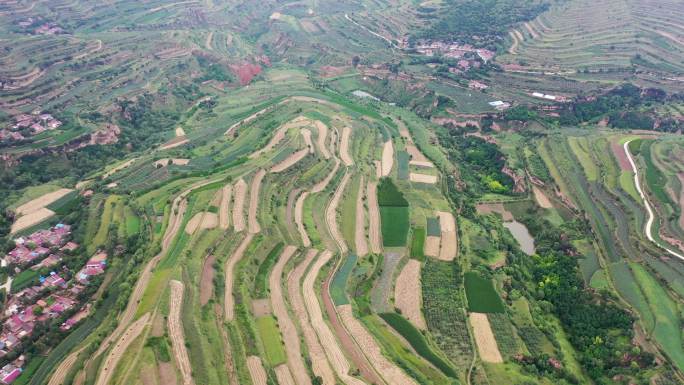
(53, 280)
(95, 266)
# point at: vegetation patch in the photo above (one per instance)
(261, 280)
(418, 243)
(272, 342)
(394, 225)
(338, 286)
(482, 297)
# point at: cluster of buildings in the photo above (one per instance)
(39, 27)
(27, 125)
(54, 293)
(454, 51)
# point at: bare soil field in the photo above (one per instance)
(175, 142)
(449, 242)
(319, 362)
(240, 190)
(163, 162)
(287, 327)
(279, 135)
(374, 218)
(331, 215)
(306, 134)
(620, 156)
(484, 337)
(298, 217)
(256, 370)
(33, 218)
(112, 359)
(175, 326)
(322, 135)
(388, 370)
(284, 376)
(42, 201)
(62, 370)
(261, 307)
(361, 245)
(180, 131)
(207, 280)
(417, 157)
(229, 300)
(290, 161)
(202, 221)
(408, 293)
(387, 158)
(254, 202)
(432, 246)
(344, 147)
(488, 208)
(422, 178)
(320, 186)
(541, 198)
(224, 207)
(332, 348)
(167, 374)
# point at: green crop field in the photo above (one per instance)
(482, 297)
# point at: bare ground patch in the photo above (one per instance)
(344, 147)
(201, 221)
(229, 300)
(408, 293)
(484, 337)
(298, 217)
(254, 202)
(240, 190)
(331, 215)
(449, 242)
(387, 158)
(224, 207)
(361, 245)
(290, 161)
(207, 281)
(422, 178)
(541, 198)
(322, 135)
(175, 325)
(261, 307)
(33, 218)
(112, 359)
(42, 201)
(256, 370)
(320, 186)
(306, 134)
(284, 376)
(432, 246)
(374, 218)
(169, 161)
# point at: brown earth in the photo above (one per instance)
(320, 186)
(167, 374)
(163, 162)
(175, 142)
(207, 281)
(541, 198)
(449, 243)
(306, 134)
(290, 161)
(331, 215)
(344, 147)
(261, 307)
(620, 156)
(331, 345)
(319, 362)
(112, 359)
(175, 327)
(228, 300)
(432, 246)
(33, 218)
(299, 209)
(374, 218)
(41, 201)
(224, 207)
(240, 190)
(284, 376)
(254, 202)
(287, 327)
(246, 72)
(322, 135)
(408, 293)
(388, 370)
(488, 208)
(422, 178)
(484, 337)
(201, 221)
(387, 158)
(256, 370)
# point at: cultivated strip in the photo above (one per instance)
(290, 161)
(175, 326)
(112, 359)
(284, 376)
(298, 217)
(422, 178)
(322, 135)
(484, 338)
(344, 147)
(332, 348)
(388, 370)
(361, 245)
(374, 218)
(254, 202)
(408, 293)
(228, 299)
(331, 215)
(287, 327)
(41, 201)
(224, 207)
(320, 186)
(256, 370)
(319, 363)
(449, 243)
(387, 158)
(306, 134)
(240, 190)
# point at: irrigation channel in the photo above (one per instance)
(649, 223)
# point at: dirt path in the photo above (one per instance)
(322, 135)
(344, 147)
(320, 186)
(228, 300)
(484, 338)
(370, 348)
(387, 158)
(240, 190)
(284, 376)
(306, 134)
(224, 207)
(408, 293)
(319, 362)
(541, 198)
(290, 161)
(254, 202)
(361, 245)
(298, 217)
(256, 370)
(331, 215)
(285, 324)
(374, 218)
(449, 241)
(332, 348)
(175, 326)
(112, 359)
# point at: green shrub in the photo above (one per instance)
(389, 194)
